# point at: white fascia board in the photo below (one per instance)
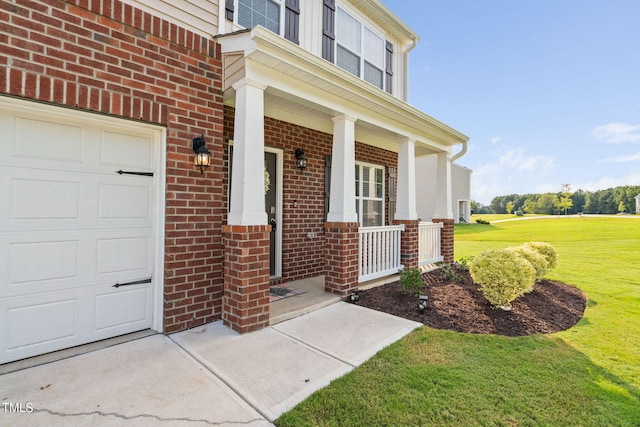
(328, 85)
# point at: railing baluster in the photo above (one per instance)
(429, 245)
(379, 253)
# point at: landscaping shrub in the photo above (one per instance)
(482, 221)
(546, 250)
(536, 259)
(502, 275)
(449, 272)
(411, 281)
(465, 262)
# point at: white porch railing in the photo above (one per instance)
(429, 249)
(379, 252)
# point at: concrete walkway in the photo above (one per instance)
(208, 375)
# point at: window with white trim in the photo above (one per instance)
(267, 13)
(359, 49)
(370, 194)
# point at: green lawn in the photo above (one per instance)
(497, 217)
(586, 376)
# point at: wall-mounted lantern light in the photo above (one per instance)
(202, 158)
(301, 160)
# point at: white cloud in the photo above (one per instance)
(616, 133)
(520, 161)
(512, 171)
(495, 140)
(624, 159)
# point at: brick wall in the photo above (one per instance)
(246, 287)
(107, 57)
(410, 243)
(446, 239)
(341, 257)
(304, 191)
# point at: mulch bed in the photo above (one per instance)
(460, 306)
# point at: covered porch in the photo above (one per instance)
(279, 94)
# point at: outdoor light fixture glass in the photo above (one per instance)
(202, 158)
(301, 160)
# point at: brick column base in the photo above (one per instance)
(245, 304)
(409, 243)
(341, 257)
(446, 239)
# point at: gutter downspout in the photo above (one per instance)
(408, 48)
(461, 153)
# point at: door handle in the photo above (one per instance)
(135, 282)
(273, 224)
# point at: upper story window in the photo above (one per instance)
(280, 16)
(352, 44)
(359, 49)
(260, 12)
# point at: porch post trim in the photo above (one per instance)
(342, 201)
(247, 183)
(406, 197)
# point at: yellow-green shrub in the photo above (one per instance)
(502, 275)
(536, 259)
(545, 250)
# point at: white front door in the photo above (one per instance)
(77, 239)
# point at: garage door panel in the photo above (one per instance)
(122, 308)
(124, 254)
(126, 150)
(42, 261)
(124, 201)
(56, 321)
(49, 199)
(40, 199)
(51, 321)
(41, 139)
(71, 228)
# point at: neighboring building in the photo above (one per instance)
(427, 185)
(106, 225)
(638, 204)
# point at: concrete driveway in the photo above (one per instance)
(208, 375)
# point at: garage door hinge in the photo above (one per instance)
(135, 282)
(120, 172)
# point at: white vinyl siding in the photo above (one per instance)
(199, 16)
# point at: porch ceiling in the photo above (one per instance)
(307, 90)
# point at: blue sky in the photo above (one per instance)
(547, 90)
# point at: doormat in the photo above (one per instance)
(282, 291)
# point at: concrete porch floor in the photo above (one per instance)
(315, 298)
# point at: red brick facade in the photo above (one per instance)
(107, 57)
(341, 257)
(446, 239)
(409, 243)
(246, 273)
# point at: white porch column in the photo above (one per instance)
(247, 181)
(444, 209)
(342, 201)
(406, 197)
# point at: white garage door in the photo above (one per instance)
(76, 238)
